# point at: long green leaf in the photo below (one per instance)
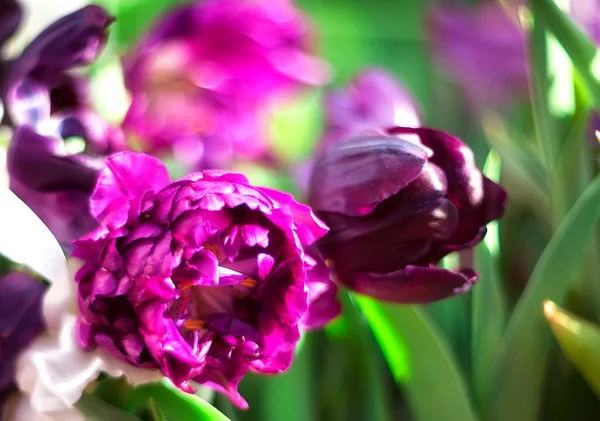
(523, 351)
(177, 405)
(96, 409)
(581, 49)
(420, 360)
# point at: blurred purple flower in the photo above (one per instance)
(20, 321)
(204, 76)
(395, 206)
(372, 100)
(482, 49)
(203, 278)
(586, 13)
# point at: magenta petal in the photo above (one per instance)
(308, 226)
(126, 176)
(413, 284)
(355, 176)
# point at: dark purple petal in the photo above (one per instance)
(20, 319)
(72, 41)
(28, 102)
(355, 176)
(10, 17)
(35, 161)
(413, 284)
(477, 199)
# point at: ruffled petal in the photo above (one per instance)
(126, 176)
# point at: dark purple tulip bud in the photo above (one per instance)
(20, 321)
(396, 204)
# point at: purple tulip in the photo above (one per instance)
(205, 75)
(20, 321)
(203, 278)
(372, 100)
(395, 206)
(482, 49)
(37, 83)
(55, 185)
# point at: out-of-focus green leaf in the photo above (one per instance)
(296, 382)
(582, 50)
(177, 405)
(579, 340)
(420, 361)
(488, 307)
(523, 350)
(95, 409)
(296, 126)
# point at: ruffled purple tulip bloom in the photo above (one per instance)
(20, 321)
(203, 278)
(395, 206)
(204, 77)
(482, 49)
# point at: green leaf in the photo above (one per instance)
(579, 340)
(488, 306)
(420, 361)
(488, 318)
(523, 350)
(177, 405)
(581, 49)
(295, 382)
(95, 409)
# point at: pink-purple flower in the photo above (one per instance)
(371, 100)
(203, 278)
(204, 77)
(396, 204)
(482, 49)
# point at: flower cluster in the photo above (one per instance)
(206, 278)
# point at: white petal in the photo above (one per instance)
(27, 241)
(3, 170)
(55, 371)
